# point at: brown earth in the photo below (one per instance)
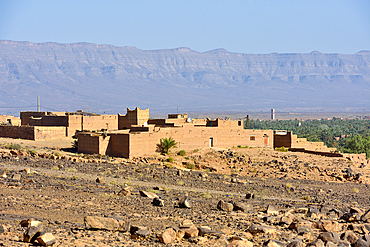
(60, 190)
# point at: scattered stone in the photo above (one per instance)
(316, 243)
(272, 210)
(185, 202)
(104, 223)
(3, 228)
(158, 202)
(46, 239)
(30, 222)
(361, 243)
(204, 231)
(32, 233)
(295, 243)
(238, 206)
(148, 194)
(135, 228)
(168, 236)
(241, 243)
(366, 216)
(274, 243)
(225, 206)
(26, 170)
(140, 234)
(125, 192)
(3, 175)
(250, 196)
(100, 180)
(197, 240)
(329, 237)
(191, 232)
(255, 229)
(16, 177)
(350, 237)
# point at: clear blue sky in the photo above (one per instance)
(246, 26)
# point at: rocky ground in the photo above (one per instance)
(237, 197)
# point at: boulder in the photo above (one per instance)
(158, 202)
(46, 239)
(316, 243)
(104, 223)
(329, 237)
(255, 229)
(125, 192)
(148, 194)
(185, 202)
(168, 236)
(225, 206)
(274, 243)
(272, 210)
(32, 233)
(350, 237)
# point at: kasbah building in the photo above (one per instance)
(136, 134)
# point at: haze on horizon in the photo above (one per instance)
(243, 26)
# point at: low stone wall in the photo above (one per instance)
(17, 132)
(32, 132)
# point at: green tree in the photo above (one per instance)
(166, 144)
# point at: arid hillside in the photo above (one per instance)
(208, 197)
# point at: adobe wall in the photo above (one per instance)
(49, 121)
(133, 117)
(16, 121)
(119, 145)
(26, 115)
(17, 132)
(197, 137)
(283, 140)
(109, 122)
(41, 133)
(74, 123)
(92, 143)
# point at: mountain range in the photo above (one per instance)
(107, 79)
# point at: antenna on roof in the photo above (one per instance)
(38, 103)
(177, 109)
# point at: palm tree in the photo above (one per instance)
(166, 144)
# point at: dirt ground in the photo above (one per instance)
(61, 190)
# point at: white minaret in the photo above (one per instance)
(272, 114)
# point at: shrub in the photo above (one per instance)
(170, 159)
(167, 165)
(240, 146)
(355, 190)
(195, 150)
(75, 144)
(205, 195)
(182, 153)
(190, 166)
(282, 149)
(307, 198)
(32, 152)
(13, 146)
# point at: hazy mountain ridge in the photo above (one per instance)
(109, 78)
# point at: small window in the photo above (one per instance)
(239, 123)
(252, 138)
